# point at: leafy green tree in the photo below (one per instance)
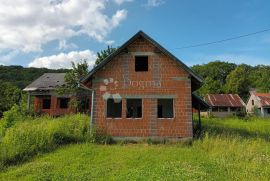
(9, 95)
(238, 81)
(259, 78)
(72, 81)
(214, 75)
(211, 86)
(73, 77)
(263, 84)
(104, 54)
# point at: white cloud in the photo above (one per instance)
(27, 25)
(63, 45)
(109, 42)
(154, 3)
(118, 17)
(63, 60)
(119, 2)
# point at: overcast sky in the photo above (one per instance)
(51, 33)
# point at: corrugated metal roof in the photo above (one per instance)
(264, 99)
(47, 81)
(225, 100)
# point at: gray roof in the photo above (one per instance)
(47, 81)
(195, 78)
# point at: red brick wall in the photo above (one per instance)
(162, 68)
(55, 109)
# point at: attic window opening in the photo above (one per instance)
(141, 63)
(252, 102)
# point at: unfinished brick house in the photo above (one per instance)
(47, 101)
(142, 90)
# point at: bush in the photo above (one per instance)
(15, 114)
(27, 138)
(11, 117)
(100, 136)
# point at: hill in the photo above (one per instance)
(21, 76)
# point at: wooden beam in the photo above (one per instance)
(199, 115)
(28, 101)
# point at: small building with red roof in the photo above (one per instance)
(223, 105)
(259, 103)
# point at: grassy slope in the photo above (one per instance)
(28, 138)
(237, 156)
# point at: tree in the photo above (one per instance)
(104, 54)
(238, 81)
(73, 77)
(263, 83)
(214, 75)
(259, 77)
(211, 86)
(72, 81)
(9, 95)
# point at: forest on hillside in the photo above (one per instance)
(223, 77)
(20, 76)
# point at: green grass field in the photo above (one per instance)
(230, 149)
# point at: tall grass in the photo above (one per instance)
(212, 158)
(222, 141)
(252, 127)
(27, 138)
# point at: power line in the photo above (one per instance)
(220, 41)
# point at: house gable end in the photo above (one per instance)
(195, 79)
(162, 71)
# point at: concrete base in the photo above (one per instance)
(154, 139)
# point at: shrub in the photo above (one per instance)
(27, 138)
(100, 136)
(11, 116)
(9, 119)
(15, 114)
